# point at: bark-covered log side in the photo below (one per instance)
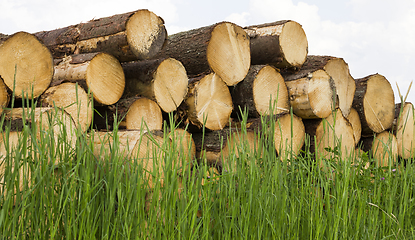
(262, 92)
(109, 34)
(313, 63)
(282, 44)
(374, 101)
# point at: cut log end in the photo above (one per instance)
(379, 103)
(338, 69)
(105, 78)
(170, 84)
(26, 62)
(405, 131)
(211, 103)
(73, 99)
(270, 92)
(146, 34)
(144, 114)
(228, 52)
(294, 45)
(354, 119)
(289, 136)
(385, 149)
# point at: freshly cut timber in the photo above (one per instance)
(289, 135)
(354, 119)
(98, 73)
(26, 65)
(8, 165)
(331, 132)
(208, 102)
(162, 80)
(338, 70)
(135, 148)
(263, 90)
(129, 36)
(312, 94)
(50, 123)
(3, 37)
(4, 95)
(222, 48)
(405, 130)
(219, 147)
(375, 102)
(184, 144)
(73, 99)
(282, 44)
(383, 146)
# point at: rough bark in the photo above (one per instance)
(129, 36)
(312, 95)
(262, 92)
(4, 95)
(98, 73)
(162, 80)
(374, 101)
(405, 130)
(282, 44)
(222, 48)
(208, 102)
(73, 99)
(26, 65)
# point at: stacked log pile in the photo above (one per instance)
(127, 71)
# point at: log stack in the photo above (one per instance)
(125, 71)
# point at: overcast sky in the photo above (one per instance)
(372, 36)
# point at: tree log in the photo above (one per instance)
(282, 44)
(375, 102)
(222, 48)
(383, 147)
(217, 147)
(26, 65)
(354, 119)
(312, 95)
(129, 36)
(49, 123)
(208, 102)
(162, 80)
(263, 90)
(405, 130)
(98, 73)
(338, 70)
(182, 141)
(331, 132)
(4, 95)
(73, 99)
(134, 148)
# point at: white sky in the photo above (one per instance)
(372, 36)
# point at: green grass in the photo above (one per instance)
(83, 197)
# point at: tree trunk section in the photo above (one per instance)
(331, 133)
(73, 99)
(222, 48)
(374, 101)
(354, 119)
(405, 130)
(4, 95)
(312, 95)
(262, 92)
(26, 65)
(282, 44)
(383, 147)
(162, 80)
(49, 123)
(135, 113)
(129, 36)
(98, 73)
(216, 147)
(208, 103)
(184, 144)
